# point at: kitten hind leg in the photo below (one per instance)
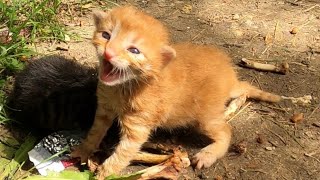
(220, 132)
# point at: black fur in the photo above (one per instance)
(54, 93)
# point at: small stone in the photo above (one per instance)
(202, 175)
(261, 139)
(235, 16)
(270, 148)
(294, 30)
(309, 134)
(67, 38)
(249, 23)
(238, 33)
(62, 48)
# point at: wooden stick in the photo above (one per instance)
(142, 157)
(169, 169)
(317, 5)
(234, 105)
(303, 100)
(281, 68)
(149, 158)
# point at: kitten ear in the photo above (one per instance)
(168, 53)
(98, 16)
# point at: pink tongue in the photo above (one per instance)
(106, 74)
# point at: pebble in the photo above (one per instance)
(238, 33)
(261, 139)
(235, 16)
(294, 30)
(202, 175)
(67, 38)
(268, 148)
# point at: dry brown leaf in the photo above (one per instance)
(297, 117)
(268, 39)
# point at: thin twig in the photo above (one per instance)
(239, 112)
(294, 138)
(275, 31)
(276, 108)
(265, 50)
(253, 170)
(257, 80)
(311, 155)
(317, 5)
(284, 142)
(300, 84)
(113, 3)
(197, 35)
(315, 109)
(297, 63)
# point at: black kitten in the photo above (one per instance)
(54, 93)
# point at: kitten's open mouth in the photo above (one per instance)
(108, 72)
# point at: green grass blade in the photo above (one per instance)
(64, 175)
(20, 156)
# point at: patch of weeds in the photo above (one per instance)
(23, 23)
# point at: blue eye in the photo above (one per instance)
(134, 50)
(106, 35)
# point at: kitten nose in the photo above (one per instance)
(108, 54)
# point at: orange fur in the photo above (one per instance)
(162, 86)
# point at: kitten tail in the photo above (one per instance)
(254, 93)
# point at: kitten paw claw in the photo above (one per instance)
(81, 152)
(203, 159)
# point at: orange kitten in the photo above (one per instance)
(148, 83)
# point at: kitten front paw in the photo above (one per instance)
(81, 151)
(204, 159)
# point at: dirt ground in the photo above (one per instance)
(267, 31)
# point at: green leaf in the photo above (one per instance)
(3, 51)
(133, 176)
(6, 151)
(9, 140)
(64, 175)
(20, 156)
(3, 164)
